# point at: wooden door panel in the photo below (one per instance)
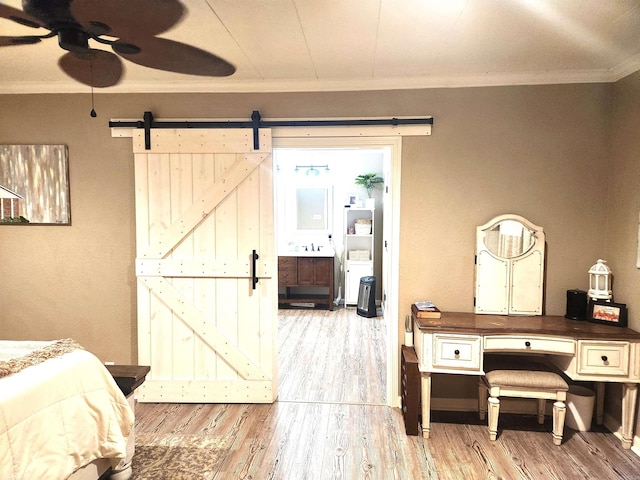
(306, 271)
(199, 325)
(200, 212)
(167, 234)
(324, 271)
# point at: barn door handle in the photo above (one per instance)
(254, 258)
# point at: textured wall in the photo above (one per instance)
(542, 152)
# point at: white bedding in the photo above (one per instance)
(59, 415)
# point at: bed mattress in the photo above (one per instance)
(57, 414)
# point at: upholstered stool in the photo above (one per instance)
(526, 383)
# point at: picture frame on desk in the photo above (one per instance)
(607, 313)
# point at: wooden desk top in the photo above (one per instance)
(476, 324)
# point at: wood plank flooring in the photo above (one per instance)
(336, 357)
(460, 447)
(330, 423)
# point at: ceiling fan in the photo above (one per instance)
(129, 27)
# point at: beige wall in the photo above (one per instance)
(623, 205)
(542, 152)
(535, 151)
(623, 208)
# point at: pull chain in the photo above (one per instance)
(93, 110)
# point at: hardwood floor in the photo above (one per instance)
(335, 357)
(460, 447)
(330, 422)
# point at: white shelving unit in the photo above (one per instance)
(358, 248)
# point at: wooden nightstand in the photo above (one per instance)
(128, 377)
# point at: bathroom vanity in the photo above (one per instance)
(300, 271)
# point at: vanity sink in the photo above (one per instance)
(323, 251)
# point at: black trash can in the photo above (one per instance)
(367, 297)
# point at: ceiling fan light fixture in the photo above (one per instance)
(75, 22)
(73, 40)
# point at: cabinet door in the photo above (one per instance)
(355, 271)
(306, 271)
(324, 271)
(287, 271)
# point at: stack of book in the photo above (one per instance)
(425, 309)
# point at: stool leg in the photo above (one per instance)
(483, 395)
(541, 404)
(494, 411)
(559, 412)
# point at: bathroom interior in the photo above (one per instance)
(313, 188)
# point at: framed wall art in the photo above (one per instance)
(34, 185)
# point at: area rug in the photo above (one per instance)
(177, 457)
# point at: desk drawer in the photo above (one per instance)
(603, 358)
(456, 351)
(529, 344)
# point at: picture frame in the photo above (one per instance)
(351, 200)
(34, 185)
(607, 313)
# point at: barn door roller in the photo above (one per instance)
(256, 123)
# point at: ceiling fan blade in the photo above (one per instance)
(13, 41)
(172, 56)
(129, 18)
(97, 68)
(18, 16)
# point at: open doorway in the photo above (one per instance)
(335, 162)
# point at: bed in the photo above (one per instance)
(62, 416)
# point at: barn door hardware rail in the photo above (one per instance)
(256, 123)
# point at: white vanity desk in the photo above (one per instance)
(456, 344)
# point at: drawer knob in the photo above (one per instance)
(457, 352)
(604, 358)
(527, 344)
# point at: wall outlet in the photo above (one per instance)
(109, 363)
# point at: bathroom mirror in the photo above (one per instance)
(309, 209)
(509, 266)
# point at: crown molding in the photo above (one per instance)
(227, 85)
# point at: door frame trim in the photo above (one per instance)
(312, 139)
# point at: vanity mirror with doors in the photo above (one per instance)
(510, 255)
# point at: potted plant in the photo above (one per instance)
(369, 181)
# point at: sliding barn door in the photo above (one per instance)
(207, 306)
